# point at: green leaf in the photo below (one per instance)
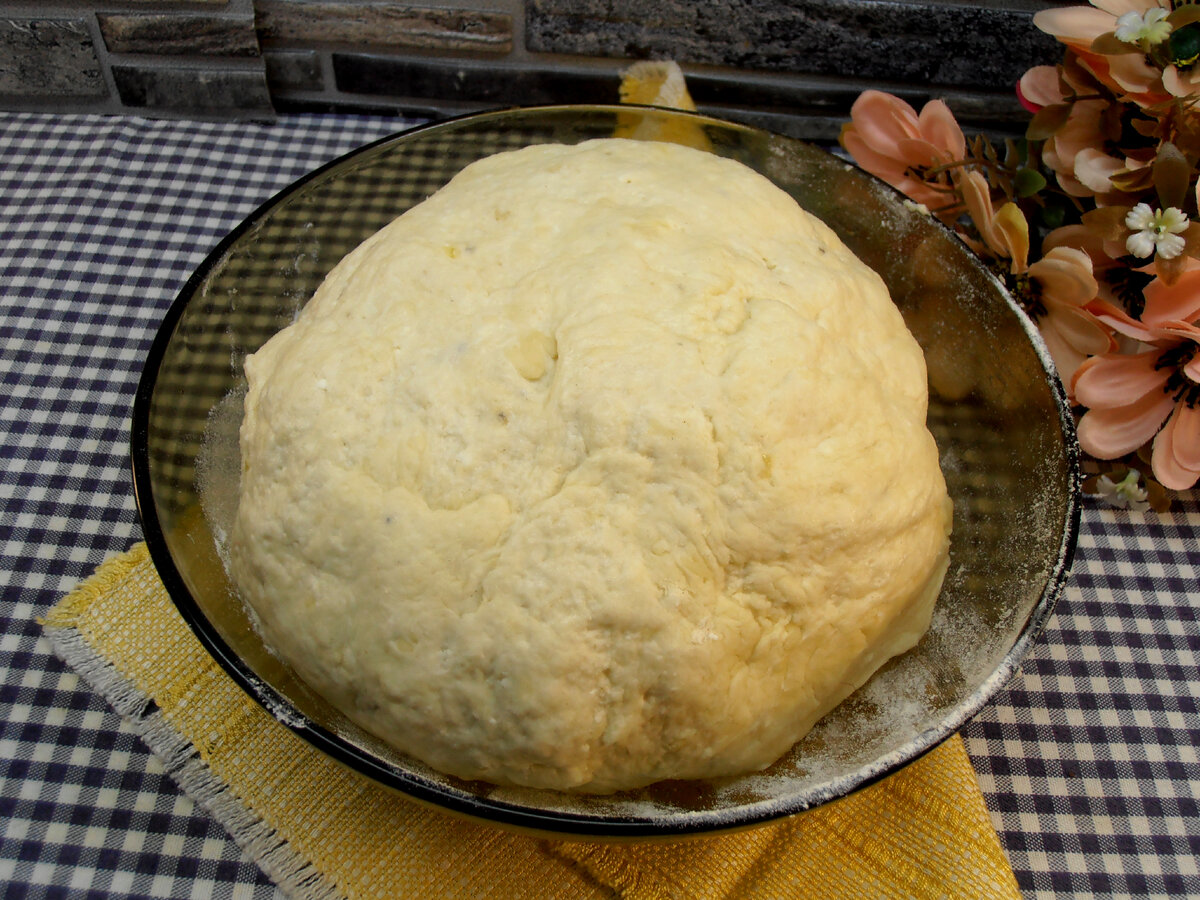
(1047, 121)
(1028, 182)
(1052, 216)
(1172, 175)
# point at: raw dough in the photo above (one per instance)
(604, 465)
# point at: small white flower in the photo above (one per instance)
(1124, 494)
(1156, 231)
(1147, 28)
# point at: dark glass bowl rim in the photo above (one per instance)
(557, 823)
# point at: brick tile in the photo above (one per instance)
(194, 91)
(49, 58)
(293, 70)
(468, 80)
(179, 33)
(383, 25)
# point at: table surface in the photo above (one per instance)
(1088, 759)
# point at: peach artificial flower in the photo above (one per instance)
(1166, 241)
(1059, 285)
(1108, 270)
(1152, 394)
(1127, 74)
(1098, 249)
(1170, 296)
(1040, 86)
(1148, 29)
(1181, 82)
(1076, 152)
(1063, 286)
(1004, 231)
(1176, 301)
(889, 139)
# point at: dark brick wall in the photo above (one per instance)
(923, 43)
(792, 65)
(200, 58)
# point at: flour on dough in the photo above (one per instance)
(606, 464)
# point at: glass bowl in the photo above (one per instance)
(997, 410)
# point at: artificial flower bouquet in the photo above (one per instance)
(1092, 220)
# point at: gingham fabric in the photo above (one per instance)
(1088, 760)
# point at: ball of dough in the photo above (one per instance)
(605, 464)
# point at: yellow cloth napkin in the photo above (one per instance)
(322, 831)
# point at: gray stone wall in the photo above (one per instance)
(791, 65)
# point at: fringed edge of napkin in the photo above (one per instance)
(180, 758)
(90, 629)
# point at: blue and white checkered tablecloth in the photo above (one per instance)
(1088, 760)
